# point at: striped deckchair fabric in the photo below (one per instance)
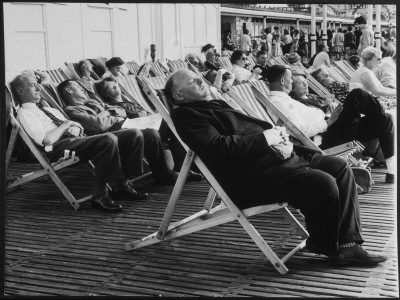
(72, 70)
(245, 92)
(349, 65)
(252, 60)
(132, 66)
(57, 75)
(131, 89)
(271, 62)
(337, 75)
(177, 64)
(156, 83)
(345, 69)
(225, 62)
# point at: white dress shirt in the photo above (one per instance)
(35, 122)
(310, 120)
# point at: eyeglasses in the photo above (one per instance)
(244, 58)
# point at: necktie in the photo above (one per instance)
(55, 120)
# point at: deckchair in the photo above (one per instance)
(57, 75)
(177, 64)
(131, 89)
(346, 70)
(48, 168)
(252, 60)
(253, 99)
(72, 70)
(211, 216)
(133, 66)
(336, 74)
(225, 62)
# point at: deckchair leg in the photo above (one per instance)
(11, 145)
(300, 230)
(210, 199)
(175, 194)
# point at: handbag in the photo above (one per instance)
(363, 178)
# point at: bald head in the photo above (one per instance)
(184, 86)
(25, 89)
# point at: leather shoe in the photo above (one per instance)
(389, 178)
(105, 203)
(193, 176)
(167, 179)
(357, 256)
(314, 248)
(129, 192)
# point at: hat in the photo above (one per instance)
(293, 58)
(114, 61)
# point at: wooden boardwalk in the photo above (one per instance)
(52, 250)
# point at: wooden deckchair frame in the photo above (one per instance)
(209, 217)
(48, 168)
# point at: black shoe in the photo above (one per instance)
(129, 192)
(314, 248)
(193, 176)
(357, 256)
(167, 179)
(105, 203)
(389, 178)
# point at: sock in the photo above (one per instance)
(391, 164)
(347, 245)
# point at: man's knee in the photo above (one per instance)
(109, 140)
(151, 135)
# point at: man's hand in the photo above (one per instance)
(73, 131)
(276, 135)
(117, 112)
(257, 71)
(335, 115)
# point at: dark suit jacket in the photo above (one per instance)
(264, 70)
(234, 148)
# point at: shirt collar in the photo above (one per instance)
(28, 105)
(278, 94)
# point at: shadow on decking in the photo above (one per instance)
(52, 250)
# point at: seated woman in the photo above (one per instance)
(321, 58)
(386, 72)
(211, 61)
(354, 60)
(238, 60)
(114, 66)
(85, 69)
(337, 88)
(365, 78)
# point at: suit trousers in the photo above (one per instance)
(326, 194)
(102, 149)
(351, 126)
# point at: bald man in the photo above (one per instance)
(253, 162)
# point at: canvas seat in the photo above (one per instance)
(211, 216)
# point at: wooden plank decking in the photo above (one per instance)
(52, 250)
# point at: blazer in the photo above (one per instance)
(233, 147)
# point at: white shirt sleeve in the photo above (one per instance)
(309, 120)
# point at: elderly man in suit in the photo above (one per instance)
(253, 162)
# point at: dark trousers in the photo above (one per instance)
(153, 151)
(326, 194)
(102, 149)
(351, 126)
(177, 150)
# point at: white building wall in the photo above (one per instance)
(45, 35)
